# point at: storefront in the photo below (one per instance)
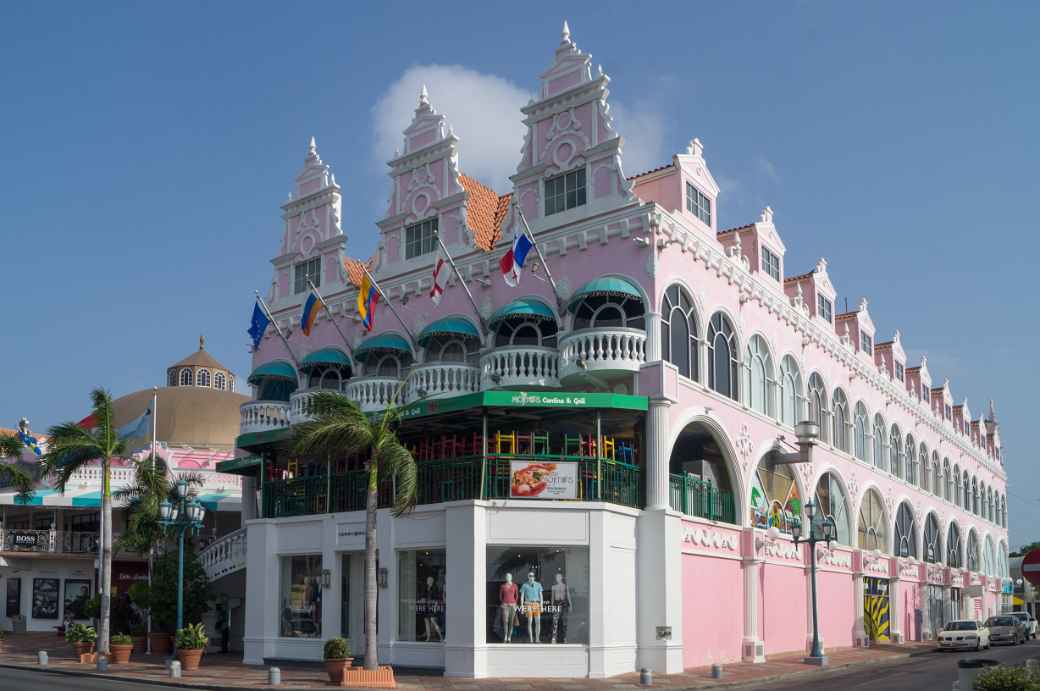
(43, 595)
(876, 609)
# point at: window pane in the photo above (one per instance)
(301, 597)
(680, 345)
(421, 612)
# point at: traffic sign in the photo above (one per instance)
(1031, 567)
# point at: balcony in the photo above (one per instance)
(520, 367)
(696, 497)
(603, 352)
(442, 380)
(225, 556)
(50, 541)
(263, 416)
(372, 393)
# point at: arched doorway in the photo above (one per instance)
(701, 478)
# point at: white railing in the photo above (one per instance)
(520, 366)
(602, 350)
(91, 475)
(261, 416)
(300, 406)
(63, 541)
(441, 380)
(225, 556)
(372, 393)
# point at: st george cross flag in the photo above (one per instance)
(440, 279)
(258, 325)
(513, 260)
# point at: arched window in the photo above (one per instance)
(871, 531)
(389, 365)
(722, 356)
(989, 503)
(679, 342)
(187, 377)
(953, 547)
(604, 311)
(988, 557)
(905, 537)
(451, 348)
(957, 491)
(759, 379)
(841, 420)
(974, 496)
(818, 411)
(911, 460)
(792, 399)
(202, 379)
(831, 502)
(1002, 560)
(519, 331)
(972, 551)
(966, 483)
(926, 468)
(932, 540)
(327, 377)
(949, 481)
(880, 446)
(937, 481)
(895, 451)
(775, 500)
(171, 378)
(862, 431)
(219, 381)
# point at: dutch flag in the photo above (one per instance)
(513, 260)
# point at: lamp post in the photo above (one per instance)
(821, 529)
(182, 515)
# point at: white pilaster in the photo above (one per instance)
(752, 646)
(653, 336)
(465, 650)
(658, 454)
(859, 632)
(660, 601)
(262, 601)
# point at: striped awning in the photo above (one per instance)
(91, 499)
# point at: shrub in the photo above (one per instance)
(122, 639)
(93, 607)
(1005, 678)
(163, 596)
(337, 649)
(192, 637)
(80, 633)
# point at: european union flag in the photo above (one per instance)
(258, 325)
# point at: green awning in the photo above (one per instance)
(449, 326)
(326, 356)
(387, 342)
(558, 400)
(527, 308)
(256, 439)
(606, 285)
(243, 465)
(273, 370)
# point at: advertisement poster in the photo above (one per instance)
(543, 480)
(45, 598)
(77, 594)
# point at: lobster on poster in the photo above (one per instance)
(543, 480)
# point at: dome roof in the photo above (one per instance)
(200, 358)
(185, 416)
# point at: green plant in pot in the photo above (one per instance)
(121, 646)
(82, 638)
(191, 642)
(337, 658)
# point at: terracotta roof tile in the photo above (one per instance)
(502, 210)
(355, 269)
(799, 276)
(649, 172)
(482, 217)
(733, 230)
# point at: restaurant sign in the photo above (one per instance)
(543, 480)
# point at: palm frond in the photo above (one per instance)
(10, 446)
(338, 427)
(392, 458)
(19, 479)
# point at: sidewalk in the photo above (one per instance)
(227, 672)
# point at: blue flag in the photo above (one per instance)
(136, 428)
(258, 325)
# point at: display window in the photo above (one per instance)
(422, 578)
(77, 595)
(775, 500)
(301, 597)
(45, 598)
(537, 595)
(14, 596)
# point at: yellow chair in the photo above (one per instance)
(502, 439)
(608, 448)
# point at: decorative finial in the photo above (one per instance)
(565, 36)
(862, 305)
(695, 147)
(821, 266)
(312, 147)
(898, 337)
(767, 215)
(424, 97)
(202, 342)
(992, 415)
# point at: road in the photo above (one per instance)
(29, 680)
(932, 672)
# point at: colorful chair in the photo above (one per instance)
(608, 448)
(625, 452)
(571, 445)
(502, 440)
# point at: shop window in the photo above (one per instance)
(537, 595)
(421, 578)
(45, 598)
(14, 596)
(301, 597)
(775, 500)
(77, 594)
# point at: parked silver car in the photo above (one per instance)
(1027, 621)
(1006, 629)
(963, 633)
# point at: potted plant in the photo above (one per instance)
(82, 638)
(337, 658)
(191, 642)
(120, 646)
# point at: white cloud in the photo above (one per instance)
(767, 168)
(643, 131)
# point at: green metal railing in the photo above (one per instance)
(696, 497)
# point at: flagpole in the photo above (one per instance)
(541, 258)
(151, 548)
(331, 318)
(389, 305)
(462, 283)
(278, 329)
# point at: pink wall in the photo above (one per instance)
(783, 608)
(910, 608)
(836, 600)
(713, 610)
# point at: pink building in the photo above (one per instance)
(665, 373)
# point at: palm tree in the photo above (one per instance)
(71, 447)
(339, 428)
(10, 473)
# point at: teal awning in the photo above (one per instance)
(388, 342)
(607, 285)
(273, 370)
(449, 326)
(528, 308)
(326, 356)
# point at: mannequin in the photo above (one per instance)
(561, 600)
(430, 605)
(531, 601)
(507, 595)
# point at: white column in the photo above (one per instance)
(248, 499)
(660, 591)
(658, 454)
(895, 601)
(262, 597)
(859, 633)
(653, 336)
(465, 649)
(331, 596)
(752, 647)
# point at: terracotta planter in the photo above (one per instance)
(120, 654)
(190, 658)
(83, 648)
(336, 669)
(140, 644)
(162, 643)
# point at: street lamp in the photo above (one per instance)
(821, 529)
(184, 514)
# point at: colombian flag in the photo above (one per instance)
(366, 302)
(310, 313)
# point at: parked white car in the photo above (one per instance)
(963, 634)
(1028, 622)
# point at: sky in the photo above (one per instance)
(145, 149)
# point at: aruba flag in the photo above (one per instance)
(366, 301)
(310, 313)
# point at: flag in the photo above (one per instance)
(310, 313)
(440, 279)
(366, 301)
(513, 260)
(258, 325)
(87, 423)
(138, 427)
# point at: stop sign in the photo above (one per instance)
(1031, 567)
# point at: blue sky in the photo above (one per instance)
(147, 147)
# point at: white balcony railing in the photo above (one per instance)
(262, 416)
(442, 380)
(521, 366)
(300, 405)
(608, 351)
(55, 541)
(372, 393)
(225, 556)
